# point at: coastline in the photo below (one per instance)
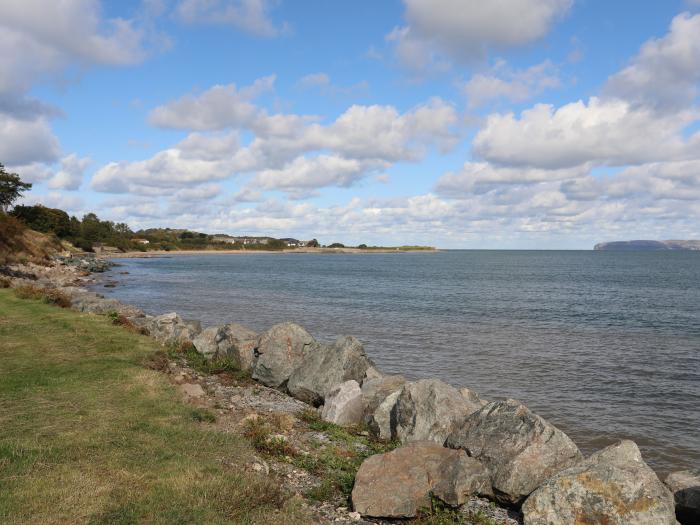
(171, 253)
(430, 404)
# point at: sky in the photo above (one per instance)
(514, 124)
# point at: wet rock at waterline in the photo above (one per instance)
(399, 483)
(327, 367)
(520, 449)
(685, 486)
(612, 487)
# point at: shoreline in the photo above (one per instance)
(172, 253)
(407, 412)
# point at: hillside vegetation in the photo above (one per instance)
(20, 244)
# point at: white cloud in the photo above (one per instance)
(514, 86)
(609, 132)
(306, 174)
(40, 38)
(218, 107)
(467, 29)
(477, 177)
(665, 73)
(26, 141)
(251, 16)
(360, 141)
(70, 176)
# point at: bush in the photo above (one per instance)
(337, 245)
(5, 282)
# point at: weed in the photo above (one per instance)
(203, 416)
(157, 361)
(5, 282)
(261, 436)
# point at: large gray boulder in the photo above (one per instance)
(232, 341)
(685, 486)
(612, 487)
(325, 368)
(171, 329)
(520, 449)
(376, 389)
(279, 351)
(399, 483)
(429, 410)
(344, 405)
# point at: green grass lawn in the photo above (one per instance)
(89, 435)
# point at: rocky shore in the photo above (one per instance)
(422, 444)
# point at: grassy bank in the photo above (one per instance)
(89, 435)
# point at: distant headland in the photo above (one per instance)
(649, 246)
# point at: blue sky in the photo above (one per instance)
(515, 124)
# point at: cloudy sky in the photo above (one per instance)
(456, 123)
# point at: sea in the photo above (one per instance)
(605, 345)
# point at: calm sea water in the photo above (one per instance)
(606, 345)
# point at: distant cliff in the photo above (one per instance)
(648, 246)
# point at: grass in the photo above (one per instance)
(88, 435)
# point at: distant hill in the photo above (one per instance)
(648, 246)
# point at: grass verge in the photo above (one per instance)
(89, 435)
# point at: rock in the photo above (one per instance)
(232, 341)
(372, 373)
(685, 486)
(428, 410)
(344, 405)
(520, 449)
(192, 390)
(399, 483)
(279, 351)
(171, 329)
(379, 422)
(326, 367)
(612, 487)
(375, 390)
(472, 397)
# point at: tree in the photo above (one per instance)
(11, 188)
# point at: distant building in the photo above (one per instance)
(293, 243)
(141, 241)
(223, 238)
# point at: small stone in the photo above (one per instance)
(192, 390)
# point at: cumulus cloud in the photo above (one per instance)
(356, 144)
(251, 16)
(610, 132)
(665, 73)
(40, 38)
(514, 86)
(466, 29)
(306, 174)
(218, 107)
(27, 141)
(70, 176)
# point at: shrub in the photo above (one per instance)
(5, 282)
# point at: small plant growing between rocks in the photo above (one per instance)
(260, 433)
(203, 416)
